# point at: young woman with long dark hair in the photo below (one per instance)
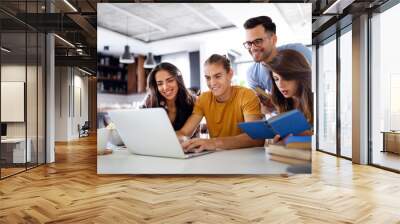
(166, 89)
(291, 89)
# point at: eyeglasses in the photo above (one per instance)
(257, 43)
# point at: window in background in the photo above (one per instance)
(346, 94)
(22, 66)
(15, 150)
(394, 101)
(181, 61)
(327, 96)
(239, 77)
(385, 88)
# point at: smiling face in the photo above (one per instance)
(262, 43)
(288, 88)
(218, 80)
(166, 85)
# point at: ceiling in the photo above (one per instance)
(76, 24)
(178, 27)
(20, 54)
(158, 21)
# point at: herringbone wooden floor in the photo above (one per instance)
(70, 191)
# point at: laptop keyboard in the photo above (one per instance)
(193, 154)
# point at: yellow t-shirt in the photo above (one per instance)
(223, 118)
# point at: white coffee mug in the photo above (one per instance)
(103, 135)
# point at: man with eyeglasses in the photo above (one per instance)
(261, 43)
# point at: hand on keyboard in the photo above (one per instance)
(199, 145)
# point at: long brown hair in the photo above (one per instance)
(291, 65)
(184, 101)
(156, 99)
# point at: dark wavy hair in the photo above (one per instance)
(184, 100)
(291, 65)
(265, 21)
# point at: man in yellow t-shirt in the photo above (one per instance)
(223, 107)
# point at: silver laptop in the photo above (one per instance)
(149, 132)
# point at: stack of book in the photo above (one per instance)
(295, 150)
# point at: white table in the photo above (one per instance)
(238, 161)
(19, 149)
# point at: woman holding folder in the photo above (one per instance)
(291, 86)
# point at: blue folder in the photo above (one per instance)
(291, 122)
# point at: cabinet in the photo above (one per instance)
(391, 141)
(114, 77)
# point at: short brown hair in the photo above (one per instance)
(219, 59)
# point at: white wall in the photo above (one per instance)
(79, 115)
(14, 73)
(61, 103)
(17, 73)
(69, 85)
(213, 46)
